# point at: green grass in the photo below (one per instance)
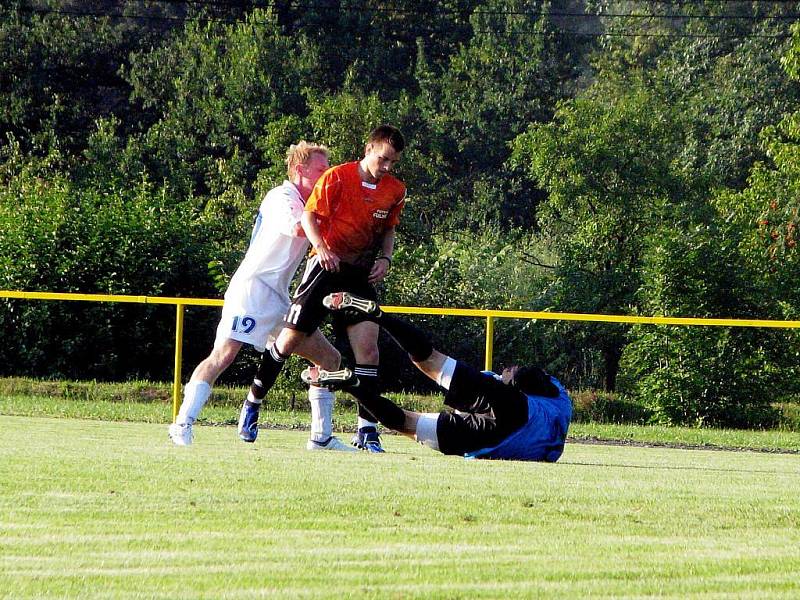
(769, 440)
(90, 509)
(225, 413)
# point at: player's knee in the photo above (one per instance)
(226, 356)
(368, 355)
(219, 360)
(289, 341)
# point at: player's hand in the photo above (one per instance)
(380, 269)
(327, 259)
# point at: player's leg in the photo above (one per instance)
(363, 338)
(382, 409)
(411, 339)
(471, 390)
(391, 415)
(422, 427)
(217, 362)
(451, 433)
(301, 319)
(198, 390)
(269, 368)
(321, 352)
(437, 366)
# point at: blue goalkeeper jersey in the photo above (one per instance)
(542, 437)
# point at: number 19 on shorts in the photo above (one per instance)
(243, 324)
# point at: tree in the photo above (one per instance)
(714, 376)
(490, 90)
(740, 263)
(719, 62)
(59, 73)
(230, 99)
(373, 44)
(608, 163)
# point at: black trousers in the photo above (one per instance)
(488, 411)
(307, 311)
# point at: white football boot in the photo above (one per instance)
(181, 434)
(331, 379)
(345, 301)
(333, 443)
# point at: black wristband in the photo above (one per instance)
(386, 258)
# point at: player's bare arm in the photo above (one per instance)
(328, 260)
(380, 269)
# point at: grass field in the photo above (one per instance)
(92, 509)
(774, 440)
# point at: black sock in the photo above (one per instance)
(409, 338)
(271, 364)
(366, 388)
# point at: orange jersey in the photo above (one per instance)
(354, 215)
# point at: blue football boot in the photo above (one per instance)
(248, 421)
(367, 439)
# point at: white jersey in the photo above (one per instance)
(258, 294)
(274, 253)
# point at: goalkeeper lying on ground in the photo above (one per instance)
(522, 414)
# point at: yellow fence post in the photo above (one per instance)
(176, 383)
(489, 343)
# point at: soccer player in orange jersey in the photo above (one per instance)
(350, 220)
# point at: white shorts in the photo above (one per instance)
(253, 313)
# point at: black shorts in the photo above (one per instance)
(488, 411)
(307, 312)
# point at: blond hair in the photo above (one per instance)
(300, 153)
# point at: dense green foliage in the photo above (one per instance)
(563, 155)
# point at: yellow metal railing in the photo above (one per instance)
(489, 315)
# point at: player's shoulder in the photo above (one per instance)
(285, 193)
(341, 170)
(393, 186)
(336, 176)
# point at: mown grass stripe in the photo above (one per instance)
(92, 509)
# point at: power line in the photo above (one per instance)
(478, 12)
(234, 20)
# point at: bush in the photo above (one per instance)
(789, 415)
(705, 376)
(88, 237)
(595, 406)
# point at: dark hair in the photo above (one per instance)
(534, 381)
(389, 134)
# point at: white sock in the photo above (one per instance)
(195, 396)
(321, 400)
(426, 430)
(446, 374)
(364, 423)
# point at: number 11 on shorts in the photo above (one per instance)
(293, 314)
